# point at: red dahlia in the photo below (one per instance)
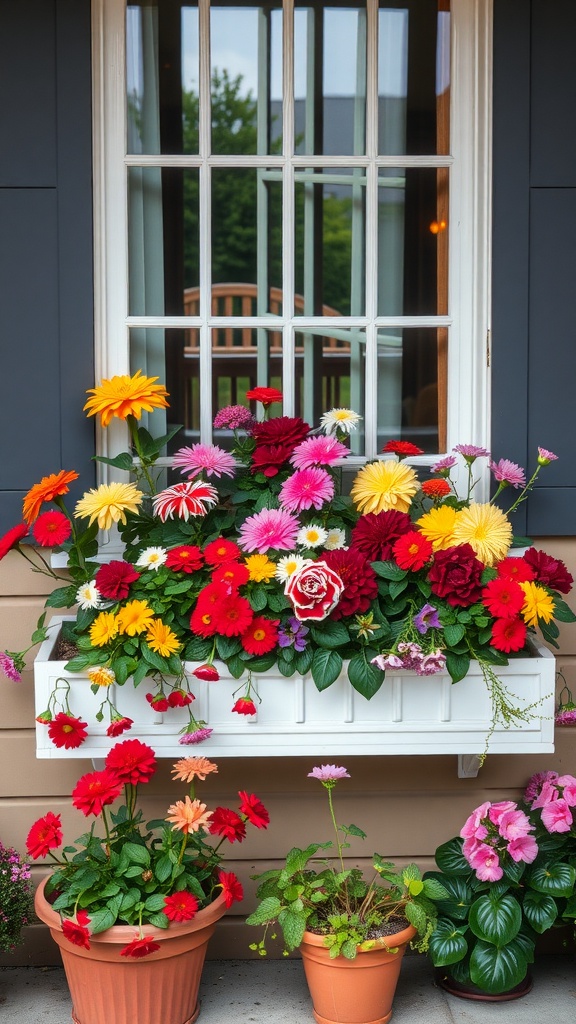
(376, 533)
(456, 576)
(508, 635)
(269, 458)
(67, 731)
(185, 558)
(231, 887)
(140, 947)
(114, 578)
(358, 577)
(225, 822)
(131, 762)
(261, 635)
(412, 550)
(94, 791)
(283, 430)
(550, 571)
(436, 488)
(402, 448)
(45, 835)
(180, 906)
(254, 809)
(51, 529)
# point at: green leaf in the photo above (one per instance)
(197, 649)
(416, 916)
(496, 919)
(434, 890)
(330, 635)
(123, 461)
(293, 927)
(449, 858)
(227, 646)
(497, 969)
(136, 853)
(389, 571)
(62, 597)
(447, 944)
(303, 660)
(556, 879)
(326, 667)
(540, 910)
(100, 920)
(267, 910)
(457, 665)
(154, 902)
(562, 612)
(258, 599)
(158, 920)
(365, 677)
(454, 634)
(397, 587)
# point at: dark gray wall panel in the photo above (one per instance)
(553, 92)
(28, 92)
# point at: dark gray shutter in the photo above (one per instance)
(534, 252)
(46, 297)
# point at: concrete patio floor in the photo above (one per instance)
(275, 992)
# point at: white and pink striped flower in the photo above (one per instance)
(194, 498)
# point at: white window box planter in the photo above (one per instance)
(409, 714)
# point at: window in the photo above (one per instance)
(297, 194)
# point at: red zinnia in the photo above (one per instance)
(118, 726)
(267, 396)
(287, 431)
(254, 809)
(402, 448)
(244, 706)
(358, 577)
(203, 621)
(12, 537)
(45, 835)
(376, 533)
(180, 906)
(157, 702)
(51, 529)
(131, 762)
(261, 635)
(231, 887)
(76, 931)
(515, 569)
(234, 574)
(503, 597)
(140, 947)
(114, 578)
(225, 822)
(221, 550)
(207, 672)
(233, 615)
(179, 698)
(94, 791)
(508, 635)
(412, 550)
(185, 558)
(67, 731)
(436, 488)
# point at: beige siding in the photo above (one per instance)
(408, 805)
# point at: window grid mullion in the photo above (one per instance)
(205, 219)
(288, 210)
(371, 258)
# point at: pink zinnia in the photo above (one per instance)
(184, 500)
(328, 773)
(507, 472)
(211, 459)
(557, 816)
(306, 488)
(444, 465)
(196, 736)
(545, 457)
(470, 451)
(318, 451)
(8, 667)
(523, 848)
(270, 528)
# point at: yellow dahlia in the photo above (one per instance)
(108, 504)
(486, 529)
(99, 675)
(125, 396)
(538, 604)
(260, 567)
(384, 485)
(103, 629)
(161, 639)
(134, 618)
(437, 526)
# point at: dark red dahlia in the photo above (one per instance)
(358, 577)
(286, 430)
(114, 578)
(550, 571)
(376, 533)
(456, 576)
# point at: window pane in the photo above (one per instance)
(162, 78)
(329, 78)
(247, 236)
(413, 77)
(246, 76)
(330, 242)
(330, 368)
(412, 241)
(408, 378)
(163, 226)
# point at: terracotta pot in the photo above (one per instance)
(161, 988)
(356, 991)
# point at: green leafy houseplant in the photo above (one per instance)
(312, 894)
(16, 901)
(510, 879)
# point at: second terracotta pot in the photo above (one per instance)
(358, 991)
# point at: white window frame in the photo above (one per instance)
(469, 219)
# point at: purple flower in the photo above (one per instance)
(234, 417)
(328, 773)
(443, 466)
(427, 618)
(507, 472)
(566, 717)
(431, 664)
(195, 737)
(384, 661)
(545, 457)
(8, 667)
(293, 632)
(470, 451)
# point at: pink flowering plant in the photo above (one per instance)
(313, 893)
(511, 876)
(259, 559)
(16, 897)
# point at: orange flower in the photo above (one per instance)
(124, 396)
(188, 815)
(189, 768)
(50, 487)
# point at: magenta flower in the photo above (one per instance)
(514, 825)
(318, 451)
(207, 458)
(557, 816)
(8, 667)
(568, 783)
(196, 736)
(473, 827)
(306, 488)
(523, 848)
(535, 784)
(545, 457)
(548, 794)
(470, 451)
(507, 472)
(484, 860)
(234, 417)
(270, 528)
(432, 663)
(184, 500)
(566, 717)
(443, 466)
(328, 773)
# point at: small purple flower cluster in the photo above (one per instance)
(15, 897)
(293, 632)
(410, 656)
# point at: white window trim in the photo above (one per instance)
(470, 219)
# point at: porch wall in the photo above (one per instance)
(408, 805)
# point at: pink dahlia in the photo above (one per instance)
(211, 459)
(270, 528)
(185, 500)
(306, 488)
(318, 451)
(507, 472)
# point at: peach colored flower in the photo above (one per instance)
(188, 815)
(189, 768)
